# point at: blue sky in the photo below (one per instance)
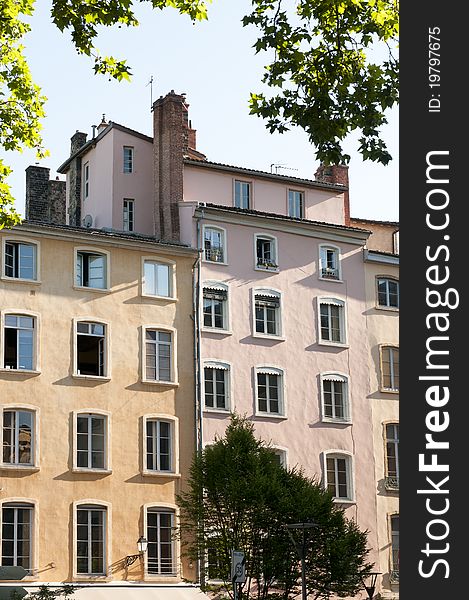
(214, 64)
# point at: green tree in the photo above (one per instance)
(321, 76)
(239, 497)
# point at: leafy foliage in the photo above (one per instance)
(21, 103)
(240, 498)
(321, 76)
(46, 593)
(323, 73)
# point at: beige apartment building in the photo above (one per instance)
(381, 258)
(97, 401)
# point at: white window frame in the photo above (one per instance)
(282, 452)
(125, 162)
(171, 277)
(35, 411)
(335, 376)
(322, 249)
(302, 205)
(107, 537)
(332, 301)
(86, 180)
(387, 278)
(392, 571)
(216, 285)
(389, 485)
(173, 361)
(91, 412)
(271, 370)
(37, 268)
(221, 230)
(174, 449)
(36, 337)
(250, 186)
(107, 267)
(350, 472)
(106, 376)
(128, 214)
(382, 348)
(164, 507)
(261, 291)
(34, 541)
(225, 366)
(275, 262)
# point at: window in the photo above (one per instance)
(160, 552)
(267, 312)
(280, 456)
(335, 405)
(338, 476)
(91, 349)
(159, 445)
(392, 456)
(128, 159)
(91, 269)
(329, 262)
(390, 368)
(20, 260)
(332, 320)
(266, 252)
(395, 242)
(91, 432)
(17, 535)
(158, 355)
(215, 306)
(394, 549)
(388, 292)
(86, 180)
(19, 340)
(128, 215)
(214, 244)
(242, 194)
(217, 386)
(270, 391)
(91, 539)
(18, 437)
(295, 204)
(158, 278)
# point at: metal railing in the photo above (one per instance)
(391, 483)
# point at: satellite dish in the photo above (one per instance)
(88, 221)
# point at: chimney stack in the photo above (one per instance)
(170, 140)
(45, 199)
(78, 140)
(336, 174)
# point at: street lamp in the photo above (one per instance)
(301, 549)
(369, 583)
(142, 545)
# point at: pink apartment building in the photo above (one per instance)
(279, 287)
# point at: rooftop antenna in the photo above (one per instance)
(277, 166)
(150, 83)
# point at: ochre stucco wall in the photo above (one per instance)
(57, 394)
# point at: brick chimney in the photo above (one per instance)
(336, 174)
(77, 141)
(170, 143)
(45, 199)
